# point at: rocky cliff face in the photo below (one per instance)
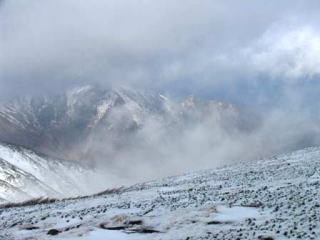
(68, 125)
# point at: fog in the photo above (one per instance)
(157, 150)
(256, 55)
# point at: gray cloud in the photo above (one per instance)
(57, 44)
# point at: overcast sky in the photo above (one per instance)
(249, 52)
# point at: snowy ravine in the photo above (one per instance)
(276, 198)
(25, 174)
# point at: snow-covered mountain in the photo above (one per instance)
(68, 125)
(276, 198)
(92, 125)
(25, 174)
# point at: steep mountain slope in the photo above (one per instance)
(25, 174)
(68, 125)
(276, 198)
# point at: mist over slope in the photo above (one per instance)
(68, 123)
(71, 125)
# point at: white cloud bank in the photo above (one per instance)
(287, 54)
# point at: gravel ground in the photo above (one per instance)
(276, 198)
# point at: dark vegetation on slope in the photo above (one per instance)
(36, 201)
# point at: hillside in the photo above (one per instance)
(275, 198)
(25, 174)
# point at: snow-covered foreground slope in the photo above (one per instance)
(277, 198)
(25, 174)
